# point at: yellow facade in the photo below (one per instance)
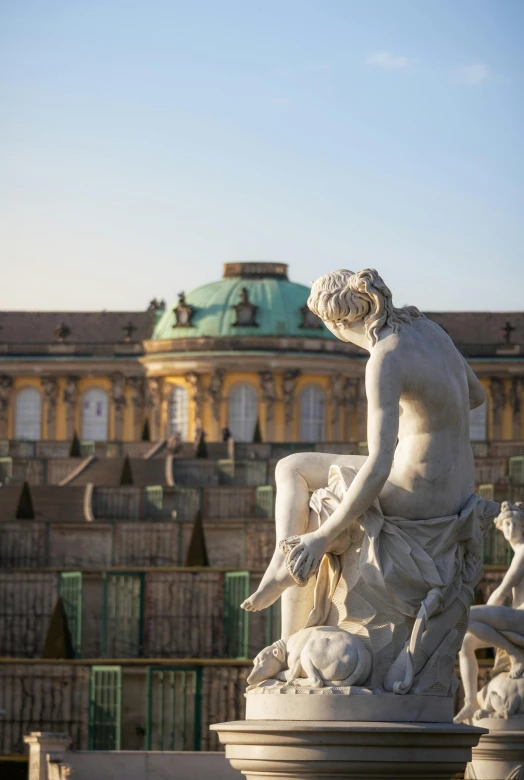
(347, 419)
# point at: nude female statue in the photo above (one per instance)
(420, 464)
(497, 625)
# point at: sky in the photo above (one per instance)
(144, 144)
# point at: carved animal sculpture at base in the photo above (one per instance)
(313, 658)
(502, 697)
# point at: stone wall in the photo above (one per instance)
(50, 696)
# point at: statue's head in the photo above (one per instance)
(510, 521)
(343, 299)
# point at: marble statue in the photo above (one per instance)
(498, 625)
(385, 547)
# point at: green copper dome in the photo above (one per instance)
(257, 296)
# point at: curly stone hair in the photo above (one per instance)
(343, 297)
(507, 508)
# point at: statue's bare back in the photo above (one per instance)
(433, 467)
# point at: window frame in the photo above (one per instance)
(312, 420)
(25, 391)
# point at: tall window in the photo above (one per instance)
(242, 412)
(178, 413)
(478, 423)
(312, 414)
(28, 414)
(95, 413)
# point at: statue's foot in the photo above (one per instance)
(467, 712)
(274, 582)
(517, 665)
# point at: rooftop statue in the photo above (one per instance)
(384, 547)
(500, 625)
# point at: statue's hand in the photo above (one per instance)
(306, 556)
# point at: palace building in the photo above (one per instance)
(228, 354)
(126, 549)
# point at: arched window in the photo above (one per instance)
(28, 414)
(242, 412)
(312, 414)
(95, 413)
(178, 413)
(478, 423)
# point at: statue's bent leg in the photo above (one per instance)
(495, 638)
(296, 477)
(313, 679)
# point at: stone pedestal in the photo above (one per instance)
(500, 753)
(324, 750)
(41, 745)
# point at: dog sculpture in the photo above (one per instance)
(315, 657)
(502, 697)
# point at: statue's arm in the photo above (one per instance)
(476, 391)
(383, 388)
(511, 579)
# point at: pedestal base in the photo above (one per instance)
(384, 707)
(322, 750)
(499, 754)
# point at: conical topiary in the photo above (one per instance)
(58, 642)
(126, 477)
(201, 450)
(146, 432)
(197, 550)
(25, 509)
(75, 451)
(257, 434)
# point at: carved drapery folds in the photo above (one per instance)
(6, 390)
(196, 395)
(118, 397)
(136, 385)
(268, 391)
(498, 402)
(50, 387)
(289, 384)
(153, 398)
(336, 395)
(69, 397)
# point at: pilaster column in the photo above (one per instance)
(268, 390)
(289, 384)
(118, 397)
(136, 385)
(50, 386)
(41, 744)
(362, 410)
(196, 394)
(214, 392)
(153, 398)
(517, 385)
(6, 391)
(69, 398)
(350, 400)
(498, 401)
(336, 397)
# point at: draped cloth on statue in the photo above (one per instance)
(418, 566)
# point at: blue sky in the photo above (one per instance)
(143, 144)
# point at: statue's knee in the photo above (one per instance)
(286, 468)
(468, 645)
